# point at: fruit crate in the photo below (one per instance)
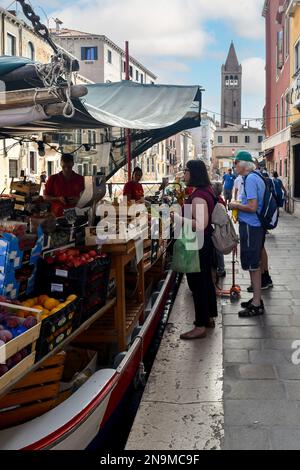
(15, 252)
(58, 326)
(17, 355)
(33, 395)
(7, 204)
(16, 284)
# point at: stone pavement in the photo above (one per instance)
(261, 383)
(239, 388)
(182, 406)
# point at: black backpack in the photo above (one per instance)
(269, 214)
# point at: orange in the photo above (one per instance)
(42, 299)
(29, 303)
(50, 304)
(38, 307)
(71, 298)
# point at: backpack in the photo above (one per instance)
(278, 192)
(269, 214)
(224, 237)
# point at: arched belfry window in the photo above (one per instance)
(227, 80)
(231, 80)
(236, 80)
(30, 51)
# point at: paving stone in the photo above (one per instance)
(293, 390)
(254, 390)
(257, 371)
(247, 332)
(271, 310)
(242, 344)
(285, 438)
(234, 320)
(261, 412)
(279, 295)
(281, 344)
(271, 356)
(285, 333)
(246, 438)
(238, 356)
(288, 372)
(276, 320)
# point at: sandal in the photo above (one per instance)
(193, 335)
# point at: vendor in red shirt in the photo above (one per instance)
(133, 190)
(63, 190)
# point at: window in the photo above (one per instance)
(280, 168)
(285, 168)
(153, 165)
(85, 169)
(277, 117)
(89, 53)
(236, 81)
(142, 78)
(287, 112)
(227, 80)
(137, 75)
(260, 139)
(130, 71)
(280, 59)
(234, 104)
(234, 139)
(109, 56)
(297, 57)
(92, 139)
(124, 67)
(148, 165)
(32, 162)
(287, 37)
(30, 51)
(247, 139)
(78, 137)
(10, 44)
(13, 168)
(282, 113)
(220, 139)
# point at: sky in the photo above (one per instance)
(181, 41)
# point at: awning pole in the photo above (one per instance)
(128, 132)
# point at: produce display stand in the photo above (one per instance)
(118, 323)
(30, 367)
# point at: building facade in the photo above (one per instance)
(277, 109)
(228, 141)
(100, 59)
(203, 139)
(231, 77)
(19, 39)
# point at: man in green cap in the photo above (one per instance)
(252, 234)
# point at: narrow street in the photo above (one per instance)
(246, 398)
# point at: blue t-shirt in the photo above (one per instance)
(228, 181)
(255, 188)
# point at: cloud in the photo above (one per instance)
(175, 28)
(254, 77)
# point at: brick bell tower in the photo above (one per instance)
(231, 106)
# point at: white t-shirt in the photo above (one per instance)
(239, 185)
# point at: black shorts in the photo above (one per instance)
(252, 242)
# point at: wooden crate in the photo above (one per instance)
(27, 188)
(34, 395)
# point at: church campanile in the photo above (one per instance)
(231, 106)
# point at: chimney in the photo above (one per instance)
(58, 23)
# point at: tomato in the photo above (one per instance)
(62, 258)
(50, 260)
(93, 253)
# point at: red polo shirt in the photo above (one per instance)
(133, 190)
(59, 186)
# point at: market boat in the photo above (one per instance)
(124, 326)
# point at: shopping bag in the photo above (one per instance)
(186, 260)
